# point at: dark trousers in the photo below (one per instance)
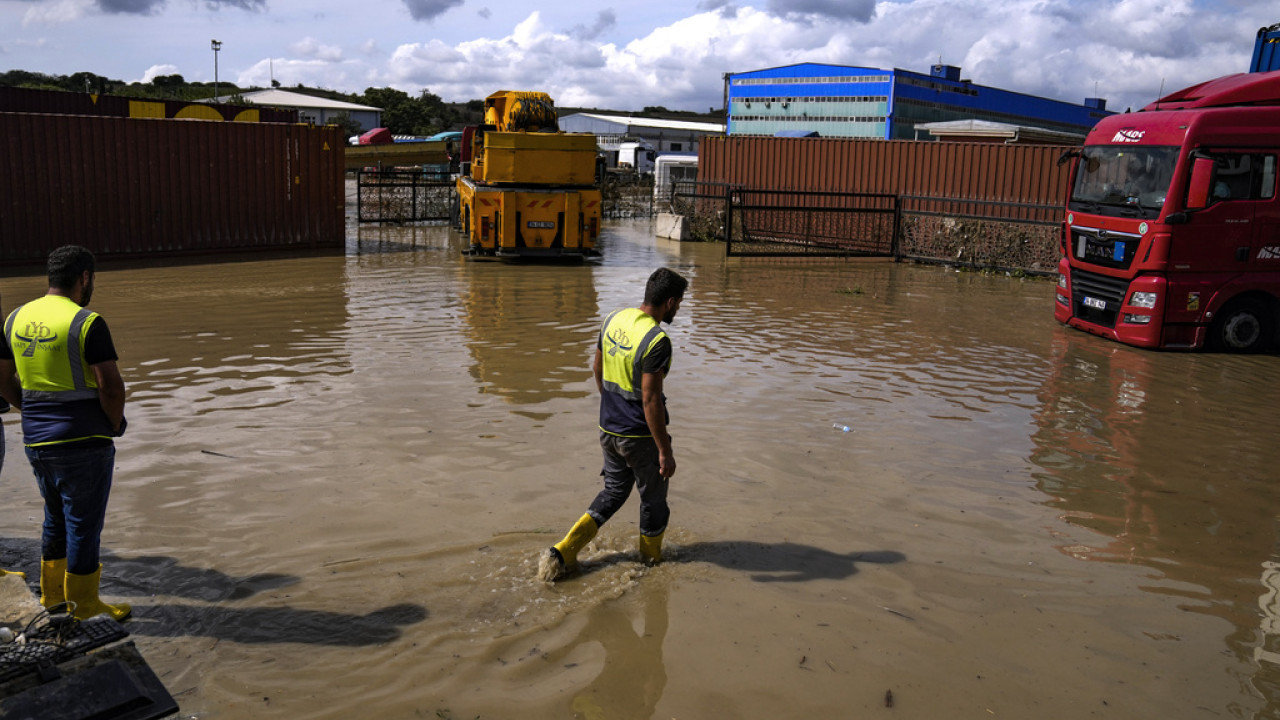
(632, 463)
(75, 482)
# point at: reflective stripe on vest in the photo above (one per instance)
(43, 378)
(615, 379)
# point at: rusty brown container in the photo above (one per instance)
(145, 188)
(1004, 178)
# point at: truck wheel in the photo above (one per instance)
(1244, 327)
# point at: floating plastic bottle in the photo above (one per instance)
(841, 428)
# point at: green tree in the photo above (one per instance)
(401, 114)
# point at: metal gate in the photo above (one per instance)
(399, 197)
(787, 223)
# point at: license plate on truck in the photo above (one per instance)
(1095, 303)
(541, 224)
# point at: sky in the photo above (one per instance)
(639, 53)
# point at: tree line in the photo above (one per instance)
(403, 114)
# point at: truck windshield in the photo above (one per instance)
(1123, 181)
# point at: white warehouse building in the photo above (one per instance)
(664, 136)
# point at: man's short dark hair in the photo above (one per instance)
(663, 285)
(66, 264)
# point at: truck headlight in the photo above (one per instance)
(1062, 281)
(1137, 319)
(1143, 299)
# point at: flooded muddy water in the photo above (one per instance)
(339, 471)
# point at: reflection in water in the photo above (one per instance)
(339, 470)
(1160, 456)
(633, 677)
(523, 361)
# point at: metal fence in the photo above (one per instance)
(784, 223)
(626, 195)
(971, 233)
(385, 196)
(980, 233)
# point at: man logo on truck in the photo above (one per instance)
(1129, 135)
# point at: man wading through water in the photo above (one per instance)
(632, 357)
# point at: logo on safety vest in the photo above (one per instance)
(37, 333)
(618, 342)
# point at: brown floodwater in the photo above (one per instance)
(340, 469)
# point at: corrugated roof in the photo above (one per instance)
(659, 124)
(990, 129)
(283, 98)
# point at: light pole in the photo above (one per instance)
(216, 45)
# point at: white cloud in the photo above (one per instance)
(663, 52)
(312, 49)
(56, 13)
(158, 70)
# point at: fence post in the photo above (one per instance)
(896, 241)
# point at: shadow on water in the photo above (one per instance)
(776, 562)
(138, 575)
(257, 626)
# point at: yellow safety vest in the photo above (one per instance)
(59, 389)
(47, 338)
(626, 338)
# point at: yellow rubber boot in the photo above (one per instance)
(83, 591)
(562, 558)
(651, 548)
(53, 578)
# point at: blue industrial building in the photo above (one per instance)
(845, 101)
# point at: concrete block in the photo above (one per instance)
(670, 225)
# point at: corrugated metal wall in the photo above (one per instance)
(129, 187)
(1015, 174)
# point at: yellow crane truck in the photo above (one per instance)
(527, 190)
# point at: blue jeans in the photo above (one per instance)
(75, 482)
(632, 463)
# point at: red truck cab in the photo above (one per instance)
(1172, 232)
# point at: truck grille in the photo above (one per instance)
(1090, 289)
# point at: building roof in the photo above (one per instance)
(283, 98)
(656, 124)
(988, 130)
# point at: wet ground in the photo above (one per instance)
(339, 471)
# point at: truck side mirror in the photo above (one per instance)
(1201, 181)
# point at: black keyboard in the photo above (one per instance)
(59, 639)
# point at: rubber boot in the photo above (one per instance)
(651, 548)
(83, 591)
(53, 579)
(562, 558)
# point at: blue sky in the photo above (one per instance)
(636, 54)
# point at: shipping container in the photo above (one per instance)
(1016, 182)
(137, 188)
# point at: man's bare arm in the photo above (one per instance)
(110, 391)
(10, 389)
(655, 414)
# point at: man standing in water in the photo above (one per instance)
(632, 358)
(58, 366)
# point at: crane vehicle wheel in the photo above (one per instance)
(1245, 326)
